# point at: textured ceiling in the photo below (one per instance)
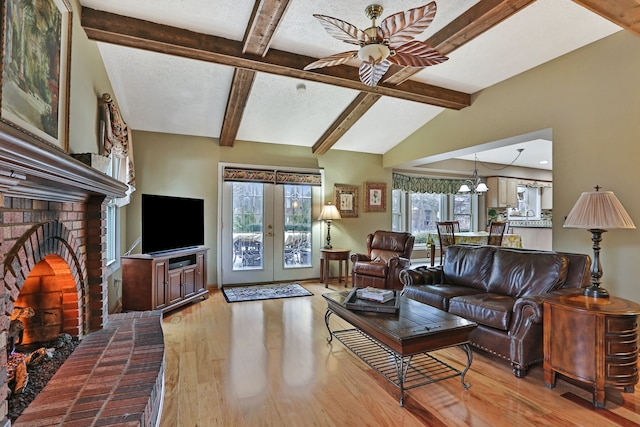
(162, 93)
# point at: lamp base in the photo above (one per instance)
(328, 247)
(596, 292)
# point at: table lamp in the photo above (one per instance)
(328, 214)
(597, 211)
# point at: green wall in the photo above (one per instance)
(590, 99)
(187, 166)
(88, 82)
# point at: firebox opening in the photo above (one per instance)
(47, 305)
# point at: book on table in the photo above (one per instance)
(375, 294)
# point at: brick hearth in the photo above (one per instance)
(112, 378)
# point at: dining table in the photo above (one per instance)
(473, 238)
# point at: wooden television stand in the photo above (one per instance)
(164, 281)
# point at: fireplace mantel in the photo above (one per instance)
(31, 168)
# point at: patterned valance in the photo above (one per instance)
(271, 176)
(117, 140)
(416, 184)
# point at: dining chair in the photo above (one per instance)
(496, 232)
(456, 226)
(446, 236)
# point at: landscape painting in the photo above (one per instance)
(36, 49)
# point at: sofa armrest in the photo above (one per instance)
(526, 309)
(422, 275)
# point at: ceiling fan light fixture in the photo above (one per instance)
(374, 53)
(394, 37)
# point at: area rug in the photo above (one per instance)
(262, 292)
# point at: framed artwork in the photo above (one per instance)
(36, 59)
(347, 200)
(375, 197)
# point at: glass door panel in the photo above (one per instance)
(248, 225)
(297, 226)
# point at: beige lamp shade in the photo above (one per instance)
(598, 210)
(329, 213)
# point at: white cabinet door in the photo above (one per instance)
(546, 201)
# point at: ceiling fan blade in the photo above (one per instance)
(402, 27)
(416, 54)
(370, 74)
(342, 30)
(330, 61)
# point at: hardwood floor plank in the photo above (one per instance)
(268, 363)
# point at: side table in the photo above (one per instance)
(594, 340)
(334, 254)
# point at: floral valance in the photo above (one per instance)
(117, 141)
(271, 176)
(416, 184)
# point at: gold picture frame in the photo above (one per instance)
(346, 200)
(34, 85)
(375, 197)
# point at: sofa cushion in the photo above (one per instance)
(371, 268)
(485, 308)
(437, 295)
(466, 265)
(519, 273)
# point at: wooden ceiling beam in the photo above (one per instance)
(131, 32)
(265, 18)
(625, 13)
(476, 20)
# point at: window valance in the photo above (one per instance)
(416, 184)
(272, 176)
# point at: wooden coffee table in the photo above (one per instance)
(407, 336)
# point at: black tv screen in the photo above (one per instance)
(170, 223)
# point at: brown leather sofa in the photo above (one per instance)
(502, 290)
(388, 253)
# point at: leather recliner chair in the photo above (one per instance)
(388, 253)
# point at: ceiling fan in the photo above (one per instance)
(380, 46)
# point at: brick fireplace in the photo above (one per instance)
(52, 236)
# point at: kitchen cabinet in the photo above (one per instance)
(546, 200)
(502, 192)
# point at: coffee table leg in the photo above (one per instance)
(402, 366)
(467, 349)
(326, 322)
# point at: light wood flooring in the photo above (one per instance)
(268, 363)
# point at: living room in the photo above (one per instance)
(587, 98)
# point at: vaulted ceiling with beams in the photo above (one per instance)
(234, 69)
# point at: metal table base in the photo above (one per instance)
(403, 371)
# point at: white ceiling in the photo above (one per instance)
(162, 93)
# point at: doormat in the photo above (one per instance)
(262, 292)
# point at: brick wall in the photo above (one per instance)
(73, 233)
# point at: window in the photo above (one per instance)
(112, 227)
(424, 211)
(418, 213)
(463, 211)
(113, 222)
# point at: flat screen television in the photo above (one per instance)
(170, 223)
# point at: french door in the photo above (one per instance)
(268, 233)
